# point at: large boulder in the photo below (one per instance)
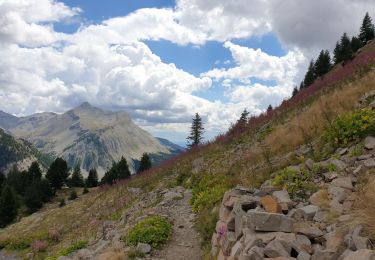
(263, 221)
(308, 229)
(363, 254)
(343, 182)
(270, 204)
(369, 163)
(369, 142)
(143, 248)
(277, 248)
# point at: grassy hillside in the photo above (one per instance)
(246, 155)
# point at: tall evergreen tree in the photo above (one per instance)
(355, 43)
(45, 189)
(322, 64)
(269, 109)
(367, 31)
(92, 179)
(337, 53)
(33, 198)
(295, 91)
(346, 47)
(243, 118)
(77, 178)
(111, 175)
(123, 171)
(301, 85)
(309, 77)
(196, 131)
(2, 180)
(8, 206)
(58, 173)
(34, 173)
(17, 180)
(145, 163)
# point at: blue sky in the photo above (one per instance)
(162, 61)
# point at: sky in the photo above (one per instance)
(162, 60)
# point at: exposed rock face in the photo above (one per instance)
(268, 224)
(89, 135)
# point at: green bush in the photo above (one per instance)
(294, 182)
(350, 127)
(208, 189)
(153, 230)
(72, 248)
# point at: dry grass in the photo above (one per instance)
(364, 207)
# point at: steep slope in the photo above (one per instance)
(18, 152)
(90, 136)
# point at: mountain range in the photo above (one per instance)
(89, 136)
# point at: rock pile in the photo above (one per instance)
(266, 223)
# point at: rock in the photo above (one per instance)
(197, 165)
(359, 170)
(302, 244)
(309, 164)
(270, 204)
(320, 216)
(309, 211)
(282, 196)
(369, 163)
(364, 157)
(369, 142)
(323, 255)
(231, 201)
(304, 149)
(343, 182)
(267, 237)
(277, 248)
(215, 240)
(250, 243)
(225, 214)
(228, 242)
(143, 248)
(342, 151)
(262, 221)
(329, 176)
(303, 256)
(354, 241)
(172, 195)
(236, 250)
(317, 197)
(308, 229)
(363, 254)
(334, 240)
(255, 253)
(337, 193)
(340, 165)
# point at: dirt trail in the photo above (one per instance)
(185, 241)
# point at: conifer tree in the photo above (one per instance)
(295, 91)
(58, 173)
(77, 178)
(345, 47)
(92, 179)
(145, 163)
(8, 206)
(269, 109)
(322, 64)
(123, 171)
(34, 173)
(33, 198)
(45, 189)
(309, 77)
(355, 43)
(243, 118)
(17, 180)
(196, 131)
(367, 31)
(337, 53)
(301, 85)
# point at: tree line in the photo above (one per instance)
(25, 192)
(344, 50)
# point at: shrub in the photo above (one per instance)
(296, 183)
(72, 248)
(208, 189)
(73, 195)
(152, 230)
(62, 203)
(350, 127)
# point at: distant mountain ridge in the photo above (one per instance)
(89, 136)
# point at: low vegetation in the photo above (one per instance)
(154, 230)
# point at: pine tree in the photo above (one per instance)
(17, 180)
(2, 180)
(355, 43)
(145, 163)
(8, 206)
(309, 77)
(45, 189)
(269, 109)
(337, 53)
(295, 91)
(58, 173)
(346, 47)
(34, 173)
(111, 175)
(77, 178)
(367, 31)
(33, 198)
(196, 131)
(301, 85)
(243, 118)
(123, 171)
(322, 64)
(92, 179)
